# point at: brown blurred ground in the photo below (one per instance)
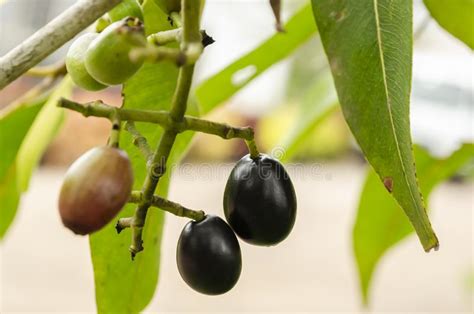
(47, 269)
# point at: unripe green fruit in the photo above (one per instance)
(75, 63)
(107, 58)
(95, 188)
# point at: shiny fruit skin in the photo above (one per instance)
(208, 256)
(75, 63)
(260, 201)
(107, 58)
(95, 188)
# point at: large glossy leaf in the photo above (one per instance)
(225, 84)
(369, 47)
(25, 133)
(14, 126)
(319, 102)
(123, 285)
(380, 224)
(456, 16)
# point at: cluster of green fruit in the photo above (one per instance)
(259, 205)
(95, 61)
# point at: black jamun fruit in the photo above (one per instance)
(208, 256)
(260, 201)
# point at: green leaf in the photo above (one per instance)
(234, 77)
(319, 102)
(455, 16)
(369, 47)
(122, 285)
(24, 135)
(168, 6)
(380, 224)
(41, 133)
(9, 198)
(124, 9)
(14, 124)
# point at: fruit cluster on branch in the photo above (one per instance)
(259, 200)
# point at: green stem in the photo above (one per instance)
(154, 54)
(139, 140)
(176, 19)
(163, 118)
(175, 35)
(115, 133)
(191, 35)
(54, 70)
(165, 37)
(253, 150)
(169, 206)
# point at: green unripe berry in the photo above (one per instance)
(75, 63)
(107, 58)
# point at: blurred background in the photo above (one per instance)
(46, 269)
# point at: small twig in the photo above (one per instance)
(175, 35)
(131, 222)
(165, 37)
(123, 223)
(139, 140)
(162, 118)
(54, 70)
(50, 37)
(175, 19)
(116, 126)
(169, 206)
(253, 150)
(155, 54)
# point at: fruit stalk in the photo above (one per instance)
(162, 118)
(176, 209)
(191, 36)
(50, 37)
(152, 54)
(139, 140)
(174, 35)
